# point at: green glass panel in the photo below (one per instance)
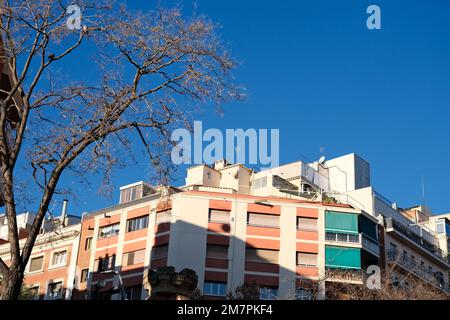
(341, 257)
(341, 222)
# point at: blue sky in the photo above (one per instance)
(313, 70)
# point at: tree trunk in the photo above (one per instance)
(11, 285)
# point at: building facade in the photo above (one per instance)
(293, 230)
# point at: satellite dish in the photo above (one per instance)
(322, 159)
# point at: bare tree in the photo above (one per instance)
(408, 286)
(148, 71)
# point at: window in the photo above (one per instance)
(36, 264)
(134, 292)
(404, 255)
(55, 290)
(59, 258)
(109, 231)
(130, 194)
(219, 216)
(260, 183)
(214, 289)
(137, 223)
(306, 259)
(163, 216)
(134, 257)
(106, 263)
(261, 256)
(266, 293)
(216, 252)
(440, 226)
(306, 223)
(84, 275)
(88, 244)
(303, 294)
(263, 220)
(34, 292)
(160, 252)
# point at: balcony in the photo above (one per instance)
(394, 225)
(371, 246)
(343, 238)
(344, 275)
(410, 265)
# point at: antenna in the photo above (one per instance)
(322, 160)
(423, 190)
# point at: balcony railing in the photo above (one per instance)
(370, 245)
(343, 237)
(344, 274)
(411, 265)
(391, 223)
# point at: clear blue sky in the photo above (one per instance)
(313, 70)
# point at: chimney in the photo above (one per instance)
(64, 212)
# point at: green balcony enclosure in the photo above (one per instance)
(340, 222)
(341, 257)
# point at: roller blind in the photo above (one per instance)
(261, 255)
(263, 220)
(217, 252)
(163, 216)
(36, 264)
(306, 223)
(340, 257)
(306, 259)
(219, 216)
(340, 222)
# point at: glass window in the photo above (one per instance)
(109, 231)
(106, 263)
(261, 256)
(59, 258)
(306, 259)
(306, 223)
(440, 226)
(219, 216)
(263, 220)
(55, 290)
(88, 244)
(134, 257)
(303, 294)
(34, 292)
(160, 252)
(266, 293)
(163, 216)
(214, 288)
(134, 292)
(84, 275)
(137, 223)
(36, 264)
(216, 252)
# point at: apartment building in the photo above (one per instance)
(50, 273)
(287, 246)
(293, 230)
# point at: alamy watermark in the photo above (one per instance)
(249, 146)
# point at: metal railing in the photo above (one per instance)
(412, 266)
(343, 237)
(404, 230)
(344, 274)
(370, 245)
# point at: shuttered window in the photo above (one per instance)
(261, 255)
(216, 252)
(306, 259)
(219, 216)
(36, 264)
(134, 257)
(160, 252)
(306, 223)
(263, 220)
